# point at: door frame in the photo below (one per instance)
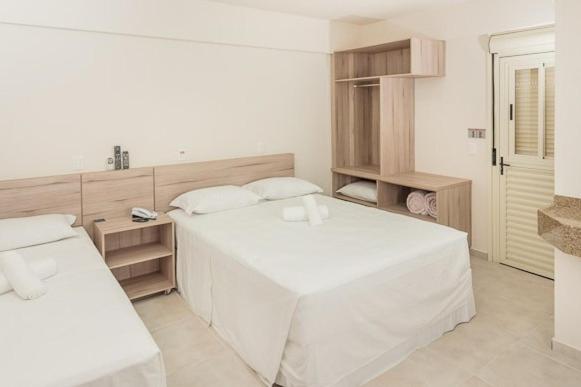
(537, 40)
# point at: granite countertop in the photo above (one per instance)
(560, 224)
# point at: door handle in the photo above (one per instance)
(502, 165)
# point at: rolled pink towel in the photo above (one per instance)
(416, 203)
(431, 204)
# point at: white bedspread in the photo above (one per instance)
(332, 305)
(84, 331)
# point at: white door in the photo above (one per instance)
(526, 151)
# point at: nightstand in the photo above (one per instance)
(140, 255)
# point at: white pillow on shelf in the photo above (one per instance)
(16, 233)
(362, 190)
(214, 199)
(275, 188)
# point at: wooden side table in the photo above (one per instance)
(140, 255)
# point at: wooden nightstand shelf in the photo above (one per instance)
(140, 255)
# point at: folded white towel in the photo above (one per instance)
(299, 214)
(312, 210)
(24, 282)
(431, 204)
(416, 203)
(43, 269)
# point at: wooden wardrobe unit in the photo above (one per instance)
(373, 127)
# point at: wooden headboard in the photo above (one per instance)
(40, 196)
(173, 180)
(94, 195)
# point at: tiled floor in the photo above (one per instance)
(506, 344)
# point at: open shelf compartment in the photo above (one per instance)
(393, 198)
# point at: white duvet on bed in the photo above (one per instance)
(332, 305)
(84, 331)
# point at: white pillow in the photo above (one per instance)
(275, 188)
(213, 199)
(362, 190)
(16, 233)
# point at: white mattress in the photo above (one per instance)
(332, 305)
(84, 331)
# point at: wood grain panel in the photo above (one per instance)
(428, 57)
(40, 196)
(113, 194)
(173, 180)
(397, 125)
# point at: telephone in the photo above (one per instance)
(143, 214)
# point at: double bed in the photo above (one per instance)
(333, 305)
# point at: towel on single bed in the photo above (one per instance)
(299, 214)
(431, 204)
(43, 269)
(20, 276)
(416, 203)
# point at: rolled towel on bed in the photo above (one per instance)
(20, 276)
(431, 204)
(299, 214)
(416, 203)
(312, 210)
(43, 269)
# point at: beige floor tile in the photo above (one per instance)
(187, 342)
(540, 338)
(223, 370)
(472, 345)
(159, 311)
(422, 368)
(474, 381)
(521, 366)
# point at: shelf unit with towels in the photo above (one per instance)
(373, 127)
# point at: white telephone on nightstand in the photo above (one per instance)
(143, 213)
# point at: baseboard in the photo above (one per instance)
(564, 349)
(478, 254)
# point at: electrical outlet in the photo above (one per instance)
(476, 133)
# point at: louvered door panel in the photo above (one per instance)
(527, 190)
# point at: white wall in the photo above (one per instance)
(214, 80)
(447, 107)
(568, 165)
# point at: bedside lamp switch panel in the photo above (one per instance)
(476, 133)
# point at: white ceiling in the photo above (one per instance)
(354, 11)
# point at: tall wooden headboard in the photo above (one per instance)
(40, 196)
(173, 180)
(106, 194)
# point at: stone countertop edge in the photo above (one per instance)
(560, 224)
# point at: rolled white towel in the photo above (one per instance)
(299, 214)
(416, 203)
(23, 280)
(431, 204)
(312, 210)
(43, 269)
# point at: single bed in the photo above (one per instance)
(332, 305)
(84, 331)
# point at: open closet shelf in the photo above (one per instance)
(373, 129)
(377, 78)
(401, 208)
(417, 180)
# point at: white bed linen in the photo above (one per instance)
(83, 332)
(332, 305)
